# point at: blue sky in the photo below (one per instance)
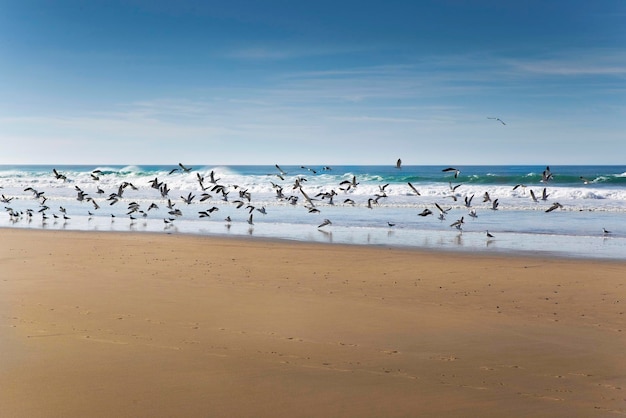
(315, 82)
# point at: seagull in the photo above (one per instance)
(498, 119)
(605, 231)
(414, 189)
(399, 163)
(489, 235)
(457, 224)
(456, 172)
(546, 176)
(425, 212)
(494, 204)
(585, 180)
(282, 172)
(58, 175)
(473, 213)
(555, 205)
(532, 196)
(185, 169)
(326, 222)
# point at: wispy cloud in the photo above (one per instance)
(601, 62)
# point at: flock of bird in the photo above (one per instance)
(210, 187)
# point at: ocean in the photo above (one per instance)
(562, 211)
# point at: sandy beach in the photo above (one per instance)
(155, 325)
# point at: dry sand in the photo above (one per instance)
(151, 325)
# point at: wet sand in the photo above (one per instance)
(146, 325)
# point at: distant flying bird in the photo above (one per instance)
(282, 172)
(58, 175)
(456, 171)
(498, 119)
(489, 235)
(414, 189)
(555, 205)
(585, 180)
(532, 195)
(399, 163)
(546, 176)
(326, 222)
(605, 231)
(425, 212)
(185, 169)
(458, 223)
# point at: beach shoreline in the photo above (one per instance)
(156, 324)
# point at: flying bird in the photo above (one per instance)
(425, 212)
(498, 119)
(414, 189)
(399, 163)
(449, 169)
(325, 223)
(555, 205)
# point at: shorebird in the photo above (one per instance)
(441, 210)
(532, 196)
(282, 172)
(188, 198)
(449, 169)
(495, 204)
(58, 175)
(555, 205)
(546, 175)
(498, 119)
(425, 212)
(486, 197)
(414, 189)
(453, 188)
(458, 223)
(468, 201)
(489, 235)
(325, 223)
(544, 194)
(605, 232)
(473, 213)
(350, 183)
